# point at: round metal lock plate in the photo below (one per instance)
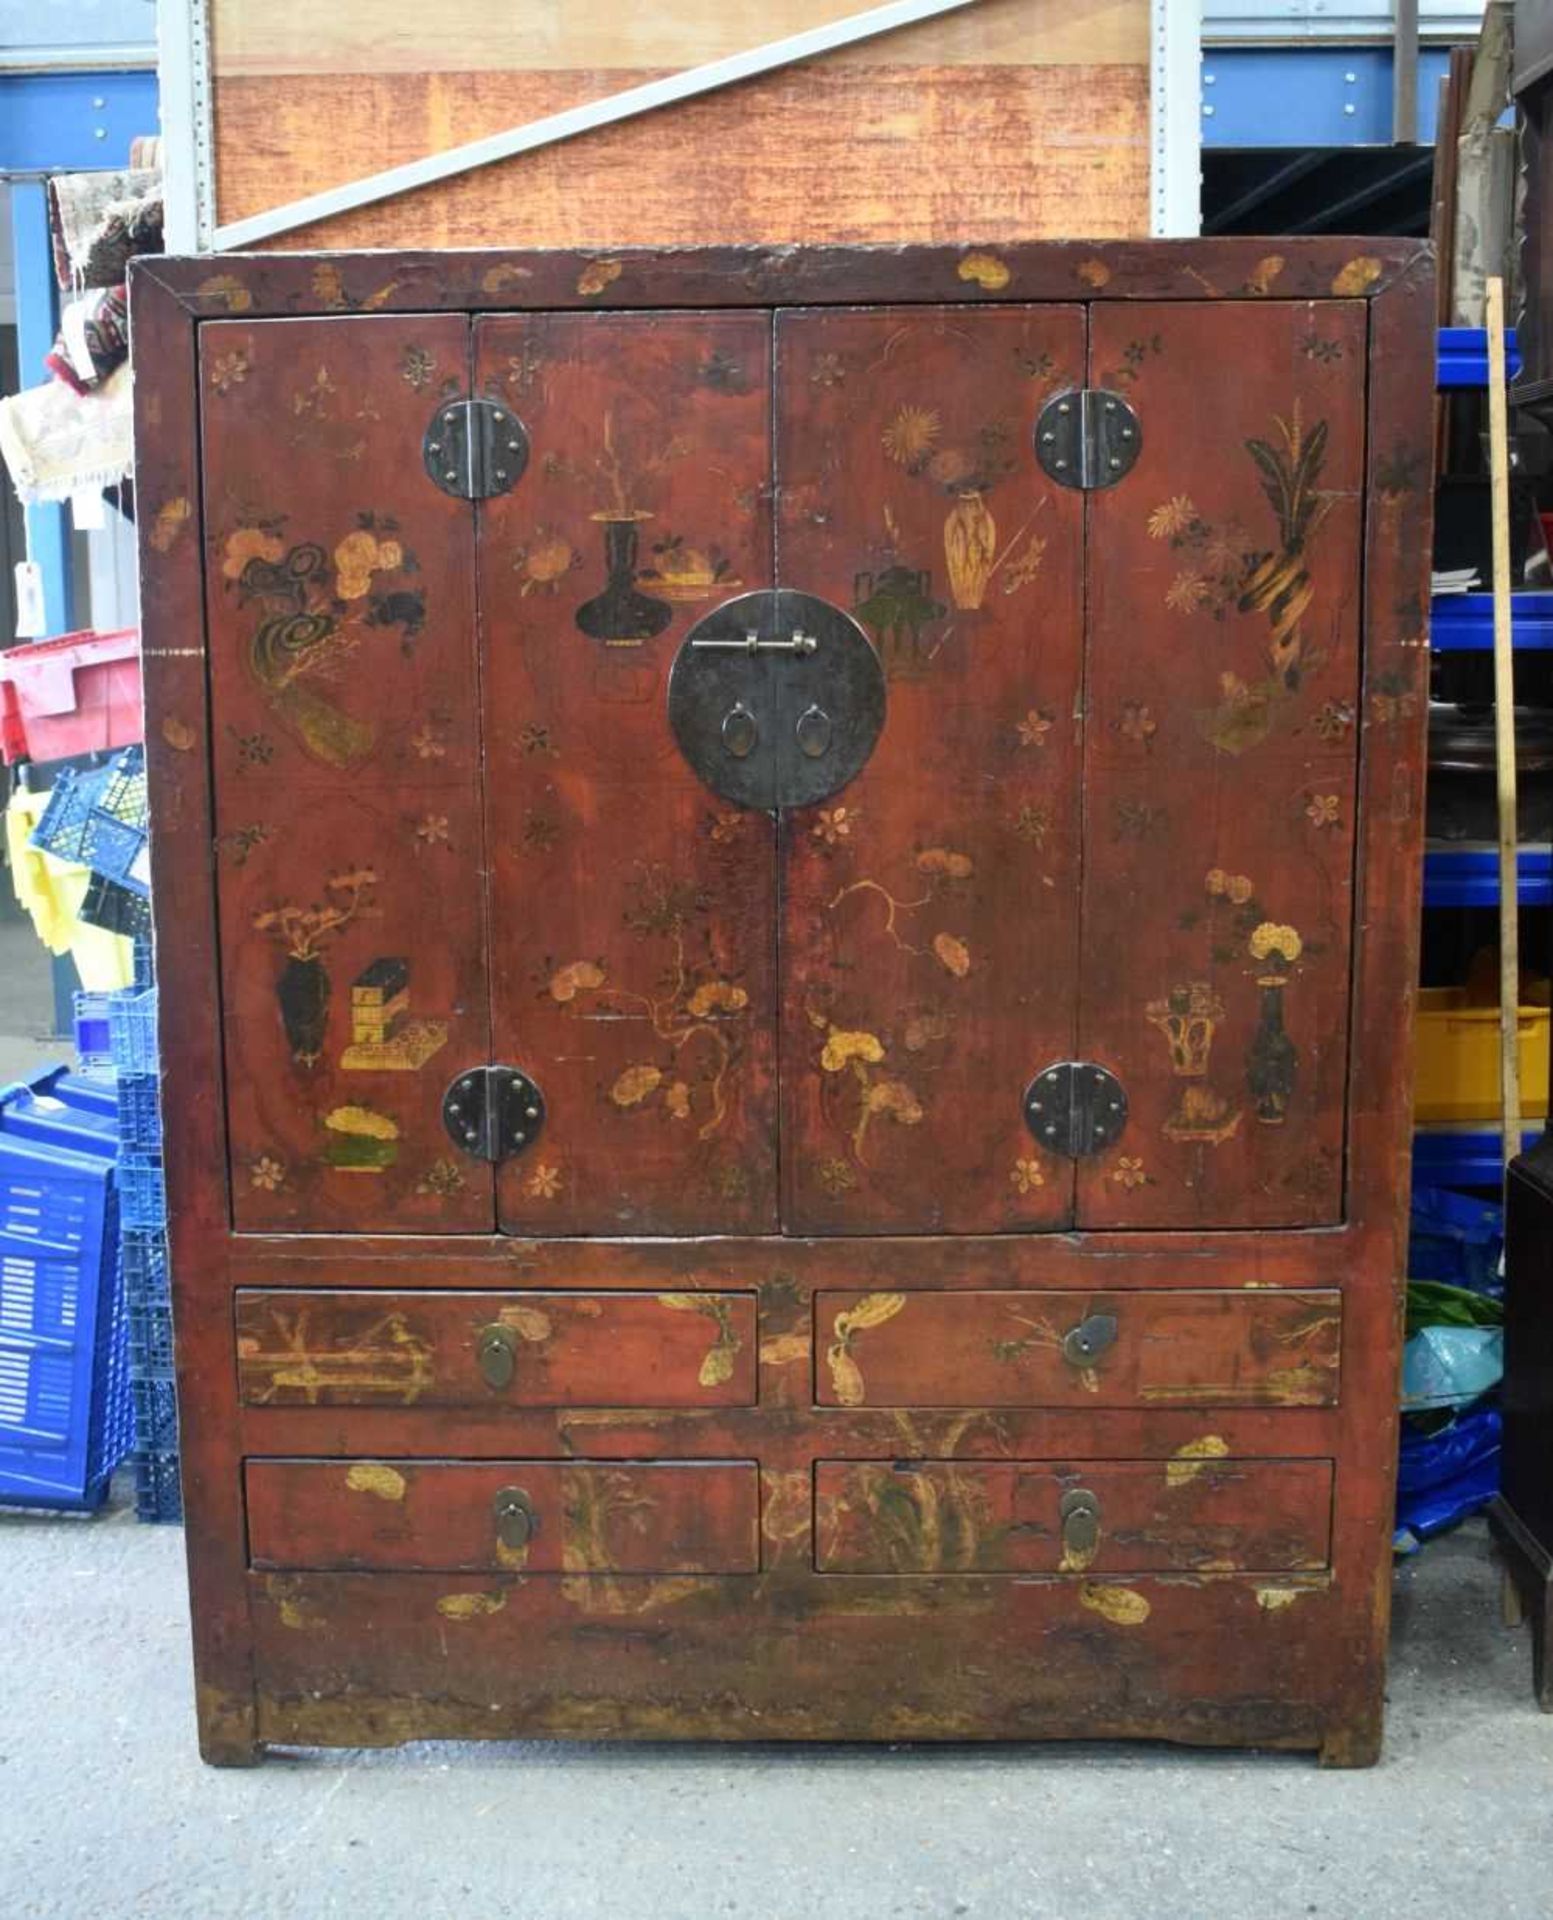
(475, 449)
(776, 699)
(493, 1112)
(1074, 1107)
(1087, 437)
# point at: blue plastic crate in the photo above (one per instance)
(142, 1200)
(55, 1107)
(148, 1304)
(92, 1044)
(64, 1397)
(158, 1494)
(132, 1025)
(115, 908)
(156, 1416)
(139, 1118)
(64, 826)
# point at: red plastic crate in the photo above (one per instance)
(77, 694)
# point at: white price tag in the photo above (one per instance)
(29, 600)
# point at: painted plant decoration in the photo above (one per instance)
(302, 988)
(697, 1013)
(1187, 1017)
(315, 609)
(1224, 572)
(1273, 1060)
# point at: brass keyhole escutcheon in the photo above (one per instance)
(1079, 1515)
(496, 1351)
(516, 1520)
(1083, 1345)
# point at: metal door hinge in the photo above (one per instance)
(493, 1112)
(1075, 1108)
(475, 449)
(1087, 437)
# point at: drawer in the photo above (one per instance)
(1037, 1516)
(472, 1350)
(1177, 1348)
(473, 1516)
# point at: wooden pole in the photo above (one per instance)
(1504, 730)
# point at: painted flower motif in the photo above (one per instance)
(535, 739)
(1138, 722)
(1128, 1174)
(417, 366)
(1388, 708)
(834, 825)
(230, 370)
(953, 955)
(677, 1101)
(836, 1176)
(442, 1177)
(1239, 889)
(1171, 519)
(716, 996)
(268, 1173)
(544, 1183)
(249, 543)
(1216, 881)
(575, 977)
(725, 827)
(426, 745)
(828, 370)
(1334, 719)
(1026, 1175)
(540, 833)
(1187, 592)
(911, 435)
(1270, 939)
(254, 749)
(1033, 823)
(945, 861)
(634, 1085)
(842, 1046)
(895, 1098)
(432, 828)
(1035, 726)
(1322, 811)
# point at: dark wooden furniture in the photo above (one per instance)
(941, 1278)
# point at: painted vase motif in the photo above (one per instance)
(895, 605)
(1273, 1059)
(303, 993)
(622, 615)
(970, 548)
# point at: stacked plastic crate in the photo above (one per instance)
(64, 1396)
(132, 1031)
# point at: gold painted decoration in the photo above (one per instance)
(845, 1374)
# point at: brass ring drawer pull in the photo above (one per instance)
(497, 1355)
(516, 1520)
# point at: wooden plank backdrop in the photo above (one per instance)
(1024, 118)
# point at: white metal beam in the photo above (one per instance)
(1175, 118)
(575, 120)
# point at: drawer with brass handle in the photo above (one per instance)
(1197, 1513)
(1171, 1347)
(534, 1516)
(473, 1350)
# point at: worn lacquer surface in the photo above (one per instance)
(632, 910)
(340, 601)
(929, 923)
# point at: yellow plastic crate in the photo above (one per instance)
(1457, 1058)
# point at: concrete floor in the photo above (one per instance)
(105, 1809)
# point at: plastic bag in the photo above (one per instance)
(1451, 1366)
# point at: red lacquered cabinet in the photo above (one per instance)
(786, 889)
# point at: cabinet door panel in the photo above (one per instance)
(633, 911)
(929, 910)
(1220, 762)
(340, 596)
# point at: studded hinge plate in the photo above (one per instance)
(492, 1113)
(1075, 1108)
(1087, 437)
(475, 449)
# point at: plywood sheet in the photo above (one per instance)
(1020, 119)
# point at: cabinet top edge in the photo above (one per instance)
(494, 280)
